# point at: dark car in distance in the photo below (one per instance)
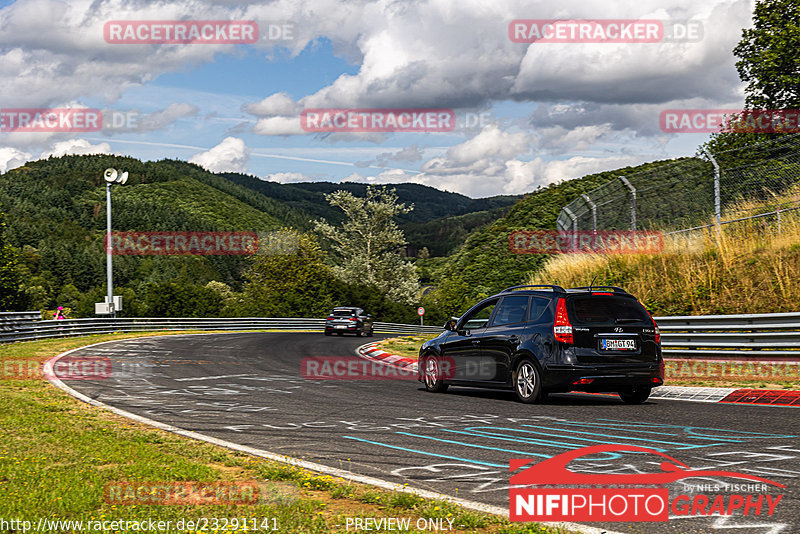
(348, 319)
(546, 339)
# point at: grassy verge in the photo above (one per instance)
(407, 346)
(57, 455)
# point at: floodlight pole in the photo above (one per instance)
(109, 275)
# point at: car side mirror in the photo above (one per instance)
(451, 324)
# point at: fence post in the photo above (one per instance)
(633, 200)
(593, 207)
(717, 203)
(574, 227)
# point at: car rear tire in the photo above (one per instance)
(528, 382)
(327, 333)
(432, 375)
(636, 395)
(369, 334)
(359, 333)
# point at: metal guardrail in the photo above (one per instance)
(27, 330)
(767, 336)
(762, 336)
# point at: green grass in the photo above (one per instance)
(58, 454)
(407, 346)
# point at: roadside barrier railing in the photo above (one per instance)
(761, 336)
(766, 336)
(23, 327)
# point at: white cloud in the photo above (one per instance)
(273, 105)
(279, 126)
(11, 158)
(75, 147)
(231, 155)
(287, 177)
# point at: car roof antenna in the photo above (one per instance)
(592, 283)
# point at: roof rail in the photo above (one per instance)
(555, 289)
(614, 289)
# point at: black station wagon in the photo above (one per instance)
(546, 339)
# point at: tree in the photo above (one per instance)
(365, 242)
(9, 271)
(297, 284)
(769, 55)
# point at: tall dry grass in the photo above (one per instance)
(746, 267)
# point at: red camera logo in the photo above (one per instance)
(377, 120)
(626, 497)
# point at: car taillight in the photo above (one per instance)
(353, 319)
(655, 326)
(562, 329)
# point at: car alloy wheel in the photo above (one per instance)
(527, 384)
(432, 375)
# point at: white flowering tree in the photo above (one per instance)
(365, 243)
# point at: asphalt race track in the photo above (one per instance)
(246, 388)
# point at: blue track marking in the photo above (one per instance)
(514, 451)
(618, 427)
(691, 430)
(504, 466)
(479, 431)
(545, 443)
(626, 438)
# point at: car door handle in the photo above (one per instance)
(513, 339)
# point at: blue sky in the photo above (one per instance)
(540, 113)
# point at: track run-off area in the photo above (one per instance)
(247, 389)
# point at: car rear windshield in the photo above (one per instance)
(602, 309)
(343, 313)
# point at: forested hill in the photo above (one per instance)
(485, 264)
(429, 203)
(55, 217)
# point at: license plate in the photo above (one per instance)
(618, 344)
(340, 327)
